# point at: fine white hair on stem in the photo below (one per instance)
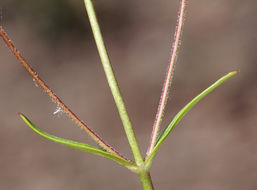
(54, 97)
(169, 76)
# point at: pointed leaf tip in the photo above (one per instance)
(80, 146)
(25, 119)
(233, 72)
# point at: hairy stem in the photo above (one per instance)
(55, 98)
(169, 76)
(112, 82)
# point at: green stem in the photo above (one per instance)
(146, 180)
(112, 82)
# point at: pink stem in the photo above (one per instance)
(55, 98)
(169, 76)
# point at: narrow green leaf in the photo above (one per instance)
(80, 146)
(182, 113)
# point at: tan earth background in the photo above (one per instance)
(214, 147)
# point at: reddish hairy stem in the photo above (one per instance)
(53, 96)
(169, 76)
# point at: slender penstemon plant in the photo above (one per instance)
(142, 165)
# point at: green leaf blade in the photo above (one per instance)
(80, 146)
(182, 113)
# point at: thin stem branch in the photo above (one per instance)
(169, 76)
(112, 82)
(55, 98)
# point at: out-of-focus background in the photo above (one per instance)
(214, 147)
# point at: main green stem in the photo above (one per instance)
(113, 83)
(146, 180)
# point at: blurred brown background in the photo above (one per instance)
(214, 147)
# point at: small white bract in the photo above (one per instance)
(35, 83)
(58, 111)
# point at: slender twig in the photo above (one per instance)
(112, 82)
(53, 96)
(169, 76)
